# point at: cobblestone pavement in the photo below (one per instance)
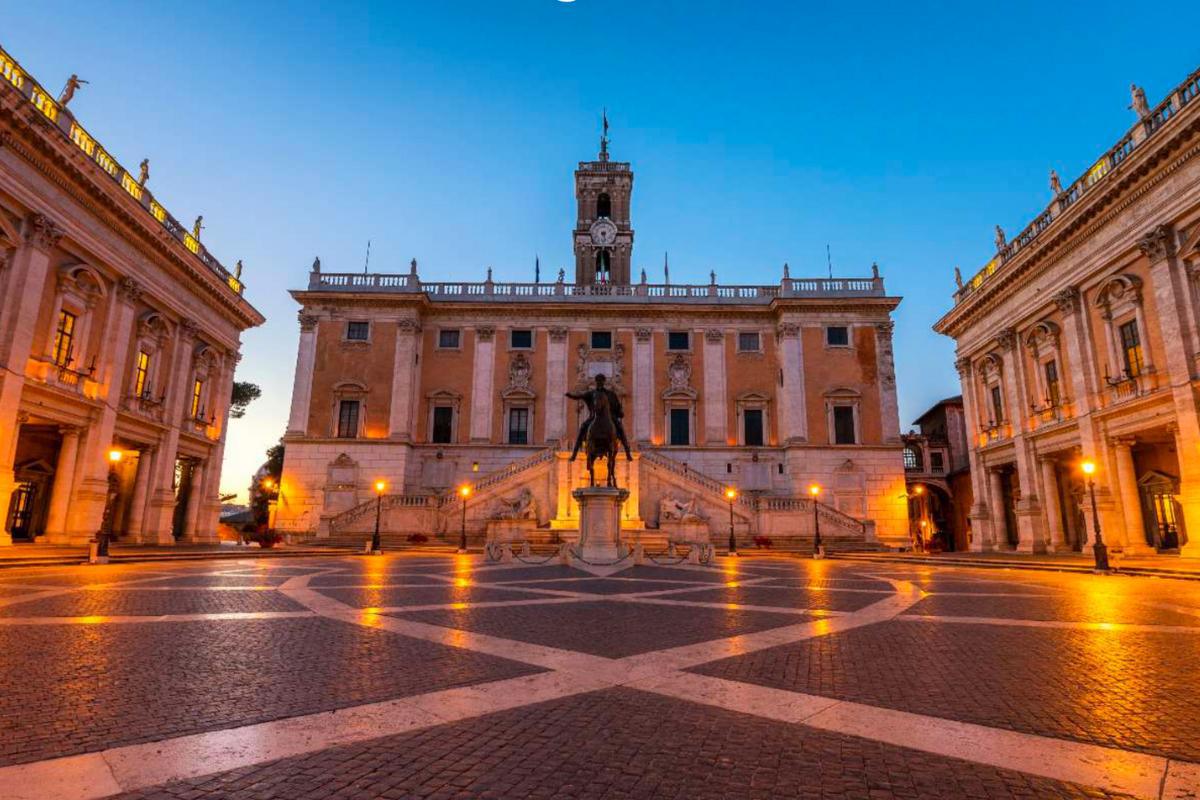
(446, 677)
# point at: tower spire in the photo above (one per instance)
(604, 137)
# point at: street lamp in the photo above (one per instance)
(1101, 552)
(464, 491)
(731, 495)
(376, 544)
(106, 520)
(818, 548)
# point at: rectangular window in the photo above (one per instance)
(1131, 348)
(677, 340)
(197, 396)
(520, 339)
(843, 425)
(141, 374)
(518, 426)
(937, 462)
(443, 424)
(749, 342)
(64, 338)
(347, 419)
(602, 340)
(997, 406)
(837, 336)
(448, 338)
(681, 427)
(1053, 390)
(752, 424)
(358, 331)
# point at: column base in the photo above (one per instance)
(5, 539)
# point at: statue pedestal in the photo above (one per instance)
(599, 522)
(507, 531)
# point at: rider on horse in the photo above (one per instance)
(589, 398)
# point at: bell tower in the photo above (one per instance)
(603, 236)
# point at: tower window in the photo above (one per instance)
(603, 206)
(603, 266)
(837, 336)
(358, 331)
(749, 342)
(347, 419)
(448, 338)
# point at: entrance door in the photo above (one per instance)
(1007, 479)
(1160, 510)
(24, 503)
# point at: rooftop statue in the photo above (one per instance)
(958, 277)
(1055, 183)
(1001, 240)
(197, 226)
(237, 271)
(316, 267)
(1138, 97)
(144, 172)
(68, 92)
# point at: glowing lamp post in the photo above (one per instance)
(106, 520)
(1098, 548)
(818, 548)
(731, 495)
(376, 544)
(464, 492)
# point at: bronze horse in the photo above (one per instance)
(602, 440)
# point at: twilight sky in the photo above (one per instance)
(759, 132)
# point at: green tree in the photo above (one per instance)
(264, 484)
(244, 393)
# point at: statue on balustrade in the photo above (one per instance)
(520, 507)
(1138, 97)
(143, 172)
(1001, 240)
(602, 429)
(1055, 183)
(671, 510)
(68, 92)
(197, 226)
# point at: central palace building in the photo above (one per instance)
(429, 386)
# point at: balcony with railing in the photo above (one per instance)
(43, 102)
(1143, 131)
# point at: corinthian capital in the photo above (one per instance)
(787, 329)
(1155, 244)
(41, 232)
(963, 365)
(1067, 300)
(130, 290)
(308, 322)
(1007, 339)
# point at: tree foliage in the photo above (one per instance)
(244, 393)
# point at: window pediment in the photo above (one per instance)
(1119, 291)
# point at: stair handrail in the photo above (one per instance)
(682, 470)
(450, 496)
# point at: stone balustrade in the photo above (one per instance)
(1143, 130)
(43, 102)
(558, 292)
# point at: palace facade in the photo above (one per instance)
(430, 385)
(119, 335)
(1080, 339)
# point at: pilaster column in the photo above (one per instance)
(1133, 535)
(404, 380)
(191, 532)
(306, 355)
(141, 491)
(482, 379)
(889, 407)
(18, 322)
(1170, 291)
(793, 413)
(1050, 503)
(715, 417)
(60, 489)
(1027, 508)
(999, 531)
(556, 385)
(643, 385)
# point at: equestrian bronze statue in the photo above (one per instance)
(602, 430)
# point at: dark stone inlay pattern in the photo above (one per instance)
(1061, 607)
(785, 596)
(608, 629)
(91, 687)
(606, 586)
(442, 594)
(120, 603)
(620, 743)
(1133, 691)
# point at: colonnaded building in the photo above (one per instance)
(1080, 339)
(119, 334)
(430, 386)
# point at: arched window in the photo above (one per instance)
(603, 206)
(602, 266)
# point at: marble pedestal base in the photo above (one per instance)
(600, 522)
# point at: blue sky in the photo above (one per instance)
(448, 131)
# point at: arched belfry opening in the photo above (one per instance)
(603, 236)
(603, 267)
(603, 206)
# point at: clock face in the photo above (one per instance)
(603, 232)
